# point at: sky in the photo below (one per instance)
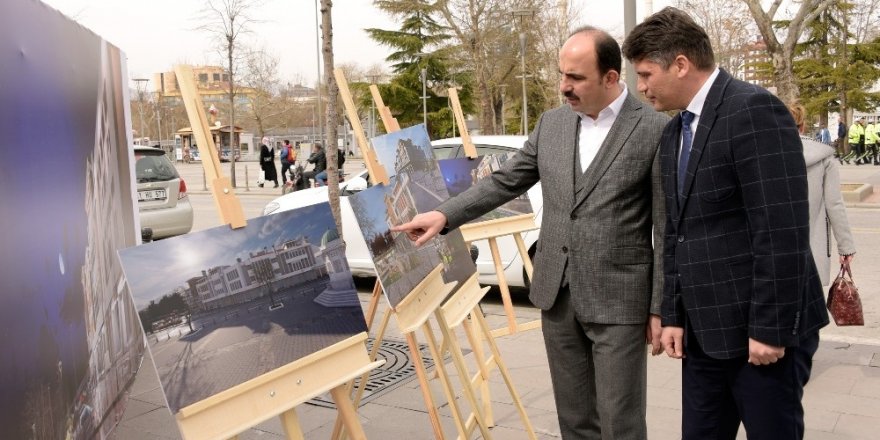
(156, 34)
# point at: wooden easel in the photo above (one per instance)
(491, 230)
(277, 392)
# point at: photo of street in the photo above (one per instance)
(223, 306)
(461, 173)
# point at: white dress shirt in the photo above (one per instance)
(594, 131)
(696, 104)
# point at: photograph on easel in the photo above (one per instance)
(400, 265)
(223, 306)
(461, 173)
(70, 340)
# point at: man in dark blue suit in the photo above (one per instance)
(742, 301)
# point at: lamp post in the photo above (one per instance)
(138, 84)
(522, 14)
(318, 57)
(373, 79)
(424, 77)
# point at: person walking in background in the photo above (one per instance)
(742, 302)
(824, 136)
(827, 211)
(267, 162)
(856, 141)
(870, 155)
(841, 140)
(597, 277)
(286, 153)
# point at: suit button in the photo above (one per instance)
(573, 217)
(565, 249)
(681, 238)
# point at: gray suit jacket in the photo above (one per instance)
(596, 226)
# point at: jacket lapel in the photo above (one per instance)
(707, 121)
(620, 131)
(569, 149)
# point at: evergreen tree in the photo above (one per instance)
(418, 44)
(832, 72)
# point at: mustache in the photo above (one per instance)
(569, 94)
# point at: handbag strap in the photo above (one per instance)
(844, 268)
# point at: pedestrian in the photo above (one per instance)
(319, 159)
(597, 277)
(827, 211)
(856, 141)
(841, 140)
(287, 153)
(267, 162)
(870, 155)
(742, 302)
(321, 178)
(824, 135)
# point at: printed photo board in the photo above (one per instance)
(461, 173)
(223, 306)
(71, 341)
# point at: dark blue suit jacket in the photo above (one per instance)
(737, 258)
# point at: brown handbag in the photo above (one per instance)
(843, 299)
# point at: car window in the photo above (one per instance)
(446, 151)
(485, 150)
(153, 168)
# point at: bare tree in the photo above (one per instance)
(332, 117)
(227, 21)
(266, 104)
(782, 52)
(864, 23)
(730, 29)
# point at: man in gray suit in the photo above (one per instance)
(597, 275)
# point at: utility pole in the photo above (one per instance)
(522, 14)
(140, 89)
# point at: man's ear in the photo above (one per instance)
(612, 77)
(683, 64)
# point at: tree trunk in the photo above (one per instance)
(331, 116)
(232, 147)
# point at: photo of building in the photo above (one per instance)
(461, 173)
(223, 306)
(71, 341)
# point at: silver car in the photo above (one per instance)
(161, 194)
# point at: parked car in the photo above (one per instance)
(358, 255)
(161, 194)
(225, 155)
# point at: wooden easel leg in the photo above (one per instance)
(461, 367)
(496, 354)
(502, 286)
(290, 422)
(524, 254)
(374, 303)
(347, 412)
(443, 377)
(423, 385)
(338, 431)
(484, 368)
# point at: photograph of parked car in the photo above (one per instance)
(461, 173)
(223, 306)
(71, 345)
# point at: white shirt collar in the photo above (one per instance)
(696, 105)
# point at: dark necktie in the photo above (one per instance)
(687, 138)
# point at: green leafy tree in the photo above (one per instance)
(418, 44)
(835, 71)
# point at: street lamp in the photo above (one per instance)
(318, 57)
(373, 79)
(138, 83)
(424, 76)
(522, 14)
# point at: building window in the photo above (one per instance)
(203, 77)
(216, 77)
(225, 77)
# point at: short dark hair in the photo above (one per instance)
(608, 55)
(666, 35)
(286, 141)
